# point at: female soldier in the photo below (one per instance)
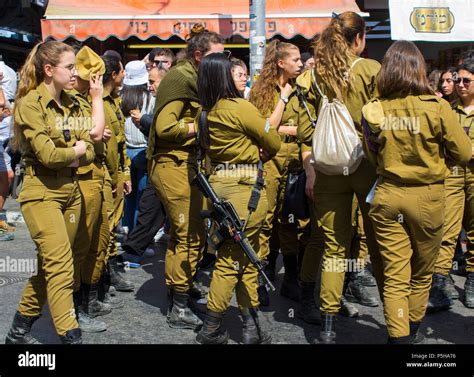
(240, 75)
(232, 130)
(446, 84)
(336, 55)
(410, 132)
(50, 198)
(459, 202)
(274, 94)
(173, 165)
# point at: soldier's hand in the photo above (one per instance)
(74, 164)
(310, 179)
(80, 148)
(96, 86)
(127, 187)
(264, 156)
(107, 134)
(286, 90)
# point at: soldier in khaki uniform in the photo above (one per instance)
(118, 165)
(407, 209)
(172, 167)
(90, 244)
(343, 40)
(459, 202)
(274, 94)
(50, 197)
(232, 131)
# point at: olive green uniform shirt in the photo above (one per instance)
(237, 130)
(409, 138)
(363, 75)
(44, 125)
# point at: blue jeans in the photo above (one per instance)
(138, 172)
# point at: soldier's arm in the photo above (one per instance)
(169, 126)
(29, 116)
(458, 145)
(259, 128)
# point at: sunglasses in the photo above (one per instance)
(466, 81)
(227, 53)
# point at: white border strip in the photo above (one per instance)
(189, 17)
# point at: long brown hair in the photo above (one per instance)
(403, 72)
(262, 93)
(32, 74)
(332, 51)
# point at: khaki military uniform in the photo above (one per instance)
(51, 201)
(91, 243)
(119, 167)
(278, 231)
(333, 194)
(459, 191)
(237, 130)
(408, 207)
(171, 170)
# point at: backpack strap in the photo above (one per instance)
(316, 83)
(305, 105)
(355, 62)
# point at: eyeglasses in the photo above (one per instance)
(156, 63)
(70, 67)
(466, 81)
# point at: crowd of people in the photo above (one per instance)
(107, 147)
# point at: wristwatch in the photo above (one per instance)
(284, 99)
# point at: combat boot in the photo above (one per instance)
(263, 296)
(357, 292)
(90, 301)
(86, 323)
(347, 309)
(327, 335)
(289, 287)
(104, 295)
(73, 336)
(469, 291)
(181, 316)
(19, 332)
(116, 279)
(197, 291)
(252, 331)
(211, 332)
(438, 299)
(308, 308)
(366, 278)
(450, 288)
(416, 335)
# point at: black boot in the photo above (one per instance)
(19, 332)
(86, 323)
(289, 287)
(327, 335)
(438, 299)
(262, 292)
(357, 292)
(347, 309)
(105, 297)
(211, 332)
(116, 278)
(366, 278)
(450, 288)
(469, 291)
(181, 316)
(197, 291)
(308, 308)
(416, 336)
(73, 336)
(401, 340)
(252, 331)
(90, 301)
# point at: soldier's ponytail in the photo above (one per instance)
(332, 51)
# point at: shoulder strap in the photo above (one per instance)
(355, 62)
(305, 105)
(316, 83)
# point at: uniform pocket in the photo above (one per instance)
(31, 190)
(431, 206)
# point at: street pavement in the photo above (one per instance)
(143, 318)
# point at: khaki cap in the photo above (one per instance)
(88, 63)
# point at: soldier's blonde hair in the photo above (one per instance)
(32, 74)
(262, 95)
(332, 51)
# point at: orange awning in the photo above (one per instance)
(164, 18)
